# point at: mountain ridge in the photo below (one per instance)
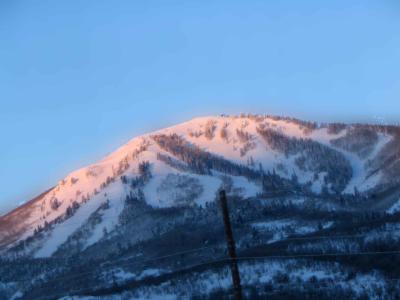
(128, 224)
(275, 144)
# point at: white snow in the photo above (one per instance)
(317, 184)
(89, 182)
(394, 208)
(62, 231)
(359, 178)
(306, 274)
(274, 225)
(161, 198)
(283, 228)
(245, 187)
(258, 274)
(110, 216)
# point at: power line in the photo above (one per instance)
(127, 264)
(76, 223)
(216, 247)
(69, 224)
(320, 255)
(314, 237)
(240, 258)
(345, 236)
(314, 285)
(174, 254)
(228, 260)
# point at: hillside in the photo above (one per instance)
(284, 177)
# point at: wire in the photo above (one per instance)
(316, 285)
(228, 260)
(239, 258)
(213, 247)
(334, 236)
(243, 258)
(315, 237)
(127, 264)
(171, 255)
(70, 224)
(270, 292)
(319, 255)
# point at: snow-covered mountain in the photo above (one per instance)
(346, 167)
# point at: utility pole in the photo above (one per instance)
(237, 288)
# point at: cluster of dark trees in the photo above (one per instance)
(357, 140)
(335, 128)
(244, 136)
(246, 148)
(224, 132)
(55, 203)
(108, 181)
(123, 165)
(308, 126)
(173, 162)
(181, 189)
(209, 129)
(144, 169)
(134, 204)
(71, 209)
(179, 229)
(203, 162)
(75, 242)
(48, 225)
(313, 157)
(195, 134)
(247, 140)
(200, 161)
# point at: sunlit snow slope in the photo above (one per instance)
(285, 147)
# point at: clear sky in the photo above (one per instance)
(80, 78)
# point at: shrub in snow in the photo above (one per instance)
(361, 141)
(74, 180)
(210, 129)
(180, 189)
(311, 156)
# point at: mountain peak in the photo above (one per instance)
(204, 154)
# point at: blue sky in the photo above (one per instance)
(80, 78)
